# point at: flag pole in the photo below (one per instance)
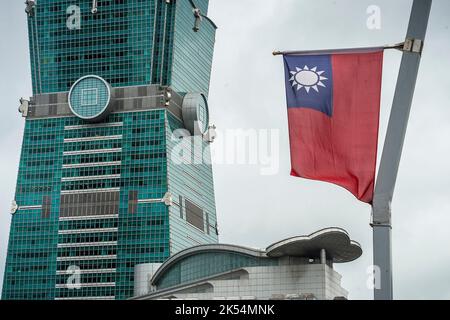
(392, 151)
(398, 46)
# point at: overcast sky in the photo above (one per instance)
(247, 92)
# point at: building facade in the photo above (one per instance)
(299, 268)
(98, 191)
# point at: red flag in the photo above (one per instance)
(333, 111)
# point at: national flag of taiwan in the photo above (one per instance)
(333, 110)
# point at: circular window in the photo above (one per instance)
(90, 97)
(196, 113)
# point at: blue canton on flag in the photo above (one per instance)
(309, 82)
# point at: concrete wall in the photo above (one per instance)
(264, 283)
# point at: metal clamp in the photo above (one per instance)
(381, 210)
(413, 45)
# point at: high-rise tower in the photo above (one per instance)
(98, 190)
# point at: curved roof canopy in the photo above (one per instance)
(336, 241)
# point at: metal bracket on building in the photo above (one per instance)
(198, 19)
(31, 4)
(413, 45)
(14, 207)
(94, 6)
(216, 226)
(168, 199)
(23, 108)
(167, 96)
(210, 134)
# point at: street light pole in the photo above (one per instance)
(392, 151)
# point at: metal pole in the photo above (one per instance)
(398, 122)
(398, 46)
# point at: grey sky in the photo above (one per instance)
(247, 91)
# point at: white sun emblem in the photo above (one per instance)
(307, 78)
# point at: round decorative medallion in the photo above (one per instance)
(90, 98)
